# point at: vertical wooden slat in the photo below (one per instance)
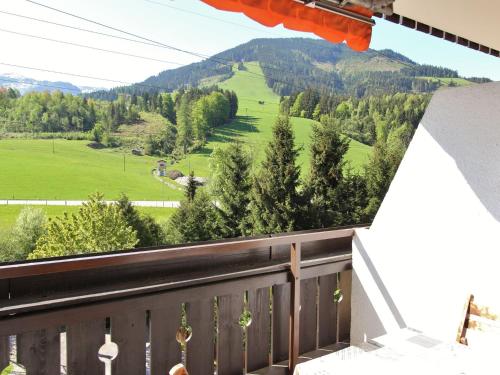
(83, 343)
(259, 331)
(4, 352)
(294, 343)
(230, 335)
(4, 340)
(200, 349)
(281, 321)
(327, 316)
(39, 351)
(165, 350)
(128, 331)
(308, 323)
(345, 281)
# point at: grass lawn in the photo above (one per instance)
(29, 170)
(8, 214)
(446, 81)
(254, 123)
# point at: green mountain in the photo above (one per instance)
(294, 64)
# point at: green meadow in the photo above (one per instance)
(254, 124)
(65, 170)
(29, 169)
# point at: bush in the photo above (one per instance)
(30, 226)
(18, 243)
(109, 141)
(97, 133)
(97, 227)
(8, 252)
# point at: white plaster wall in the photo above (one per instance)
(436, 236)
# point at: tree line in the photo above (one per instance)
(190, 114)
(360, 119)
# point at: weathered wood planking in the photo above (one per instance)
(308, 317)
(345, 281)
(281, 322)
(259, 332)
(83, 342)
(4, 340)
(40, 351)
(230, 335)
(201, 347)
(327, 314)
(165, 350)
(128, 331)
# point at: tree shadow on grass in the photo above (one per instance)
(230, 133)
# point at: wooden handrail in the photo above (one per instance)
(120, 258)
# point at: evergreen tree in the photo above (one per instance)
(230, 187)
(328, 149)
(191, 187)
(276, 203)
(149, 233)
(351, 198)
(184, 125)
(381, 168)
(195, 220)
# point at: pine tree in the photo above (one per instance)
(230, 187)
(191, 187)
(149, 233)
(195, 220)
(276, 203)
(328, 148)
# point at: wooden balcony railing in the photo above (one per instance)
(71, 315)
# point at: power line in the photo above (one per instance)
(200, 55)
(81, 76)
(117, 29)
(80, 29)
(89, 47)
(206, 16)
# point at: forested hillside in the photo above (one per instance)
(360, 118)
(295, 64)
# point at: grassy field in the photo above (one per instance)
(254, 123)
(446, 81)
(30, 170)
(8, 214)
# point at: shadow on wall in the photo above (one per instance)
(475, 142)
(375, 313)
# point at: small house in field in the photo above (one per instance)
(161, 168)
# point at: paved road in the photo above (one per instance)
(39, 202)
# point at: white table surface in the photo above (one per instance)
(407, 352)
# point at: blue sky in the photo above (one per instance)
(208, 31)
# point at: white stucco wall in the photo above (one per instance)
(437, 234)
